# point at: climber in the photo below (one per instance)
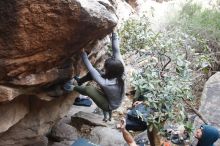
(109, 97)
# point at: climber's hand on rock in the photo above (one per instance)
(82, 50)
(114, 29)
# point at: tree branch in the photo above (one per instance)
(164, 66)
(195, 111)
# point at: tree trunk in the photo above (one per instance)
(154, 137)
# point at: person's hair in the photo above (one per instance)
(114, 69)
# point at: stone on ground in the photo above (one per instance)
(90, 119)
(106, 136)
(63, 131)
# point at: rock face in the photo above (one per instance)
(91, 127)
(210, 102)
(37, 121)
(133, 3)
(40, 43)
(37, 36)
(10, 116)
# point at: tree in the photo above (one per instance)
(162, 72)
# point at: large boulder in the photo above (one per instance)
(40, 43)
(210, 103)
(38, 37)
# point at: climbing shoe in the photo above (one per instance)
(77, 78)
(68, 86)
(105, 120)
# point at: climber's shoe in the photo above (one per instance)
(105, 120)
(69, 85)
(77, 78)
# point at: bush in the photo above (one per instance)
(167, 62)
(195, 20)
(163, 73)
(203, 24)
(170, 63)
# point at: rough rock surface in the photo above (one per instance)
(13, 112)
(133, 3)
(62, 131)
(210, 102)
(40, 43)
(75, 109)
(107, 136)
(40, 118)
(39, 37)
(86, 118)
(61, 144)
(124, 11)
(38, 141)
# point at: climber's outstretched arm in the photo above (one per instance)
(94, 73)
(115, 47)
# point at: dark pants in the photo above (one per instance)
(96, 95)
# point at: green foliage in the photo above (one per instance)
(206, 22)
(204, 25)
(189, 127)
(141, 30)
(164, 88)
(166, 61)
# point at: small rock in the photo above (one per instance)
(62, 131)
(91, 119)
(85, 129)
(106, 136)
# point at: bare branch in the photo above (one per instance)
(195, 111)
